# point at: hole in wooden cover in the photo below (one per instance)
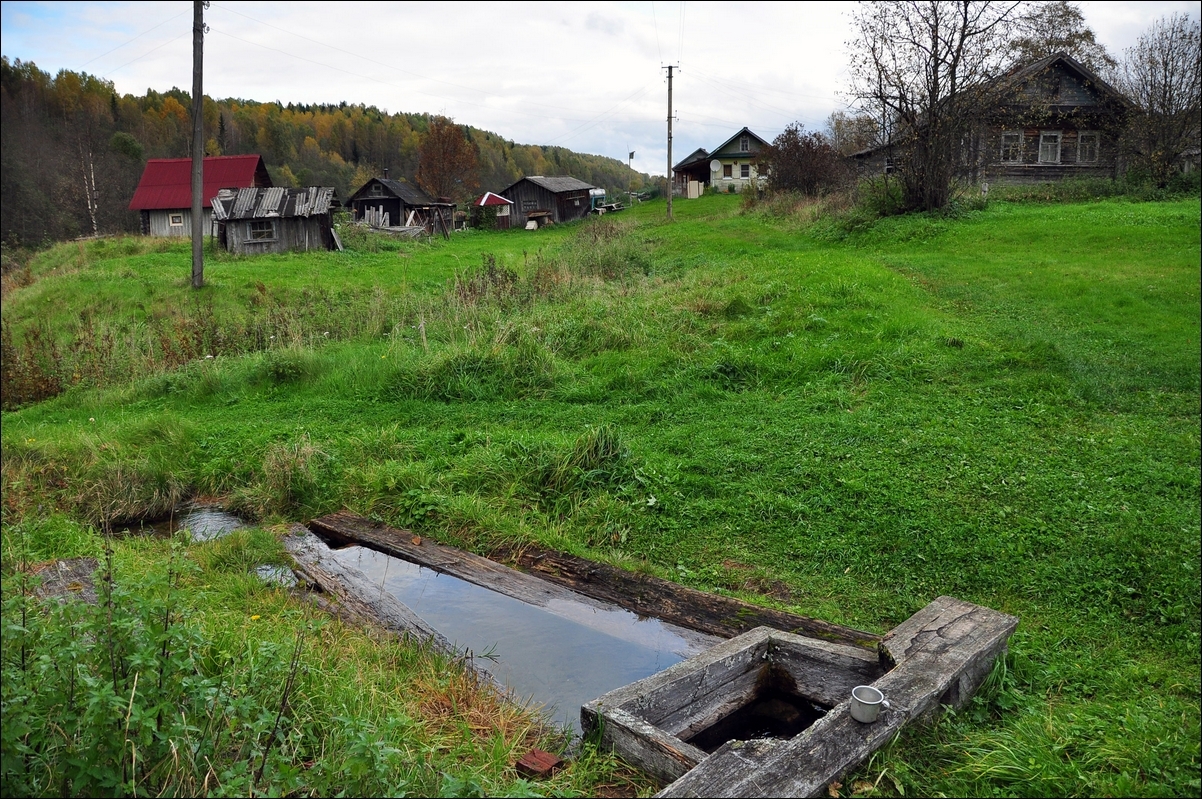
(775, 709)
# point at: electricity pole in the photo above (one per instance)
(198, 144)
(670, 186)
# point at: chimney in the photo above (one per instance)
(386, 173)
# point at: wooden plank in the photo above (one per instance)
(662, 756)
(349, 528)
(645, 595)
(356, 592)
(656, 699)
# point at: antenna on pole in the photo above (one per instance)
(671, 181)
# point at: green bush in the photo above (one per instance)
(126, 696)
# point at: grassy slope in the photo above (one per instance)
(799, 431)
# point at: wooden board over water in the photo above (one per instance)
(711, 616)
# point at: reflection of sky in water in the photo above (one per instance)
(561, 656)
(204, 522)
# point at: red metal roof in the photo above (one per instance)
(488, 198)
(167, 182)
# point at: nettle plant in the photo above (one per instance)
(126, 696)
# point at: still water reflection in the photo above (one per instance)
(561, 656)
(204, 522)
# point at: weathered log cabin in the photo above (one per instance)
(386, 203)
(256, 221)
(1050, 120)
(164, 194)
(553, 199)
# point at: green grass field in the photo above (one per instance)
(1002, 406)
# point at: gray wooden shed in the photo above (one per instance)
(557, 199)
(255, 221)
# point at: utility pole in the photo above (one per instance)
(670, 186)
(198, 143)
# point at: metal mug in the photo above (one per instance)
(866, 703)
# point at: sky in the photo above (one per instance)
(586, 77)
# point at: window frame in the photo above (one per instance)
(1097, 146)
(1059, 137)
(744, 144)
(175, 220)
(745, 171)
(728, 171)
(1016, 147)
(255, 228)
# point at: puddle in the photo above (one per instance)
(277, 576)
(204, 522)
(560, 656)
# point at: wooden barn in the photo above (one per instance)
(543, 199)
(256, 221)
(385, 203)
(164, 194)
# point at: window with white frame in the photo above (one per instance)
(744, 144)
(728, 171)
(1049, 147)
(745, 171)
(1012, 146)
(260, 230)
(1087, 146)
(175, 220)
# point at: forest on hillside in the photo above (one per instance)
(73, 149)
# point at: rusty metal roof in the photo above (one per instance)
(167, 182)
(273, 203)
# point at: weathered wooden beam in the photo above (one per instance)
(648, 595)
(356, 593)
(554, 598)
(715, 617)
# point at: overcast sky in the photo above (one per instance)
(587, 77)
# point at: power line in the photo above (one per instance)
(131, 41)
(655, 23)
(148, 52)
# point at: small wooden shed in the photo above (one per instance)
(385, 203)
(164, 194)
(256, 221)
(556, 199)
(494, 208)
